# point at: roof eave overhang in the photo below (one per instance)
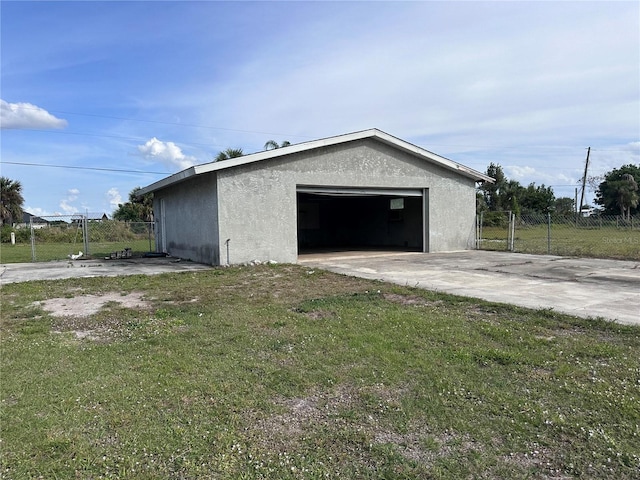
(306, 146)
(168, 181)
(435, 158)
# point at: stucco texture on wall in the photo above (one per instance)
(257, 208)
(188, 219)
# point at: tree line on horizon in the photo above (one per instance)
(617, 193)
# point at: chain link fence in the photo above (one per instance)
(63, 237)
(572, 235)
(80, 236)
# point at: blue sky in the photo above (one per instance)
(154, 87)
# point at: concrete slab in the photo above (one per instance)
(583, 287)
(578, 286)
(24, 272)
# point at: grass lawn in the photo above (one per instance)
(21, 252)
(567, 240)
(281, 372)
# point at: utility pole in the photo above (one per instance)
(584, 179)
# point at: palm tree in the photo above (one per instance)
(229, 153)
(11, 200)
(272, 144)
(627, 195)
(137, 209)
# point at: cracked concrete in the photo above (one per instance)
(585, 287)
(24, 272)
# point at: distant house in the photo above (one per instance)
(362, 190)
(29, 219)
(97, 217)
(91, 217)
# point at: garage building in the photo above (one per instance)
(363, 190)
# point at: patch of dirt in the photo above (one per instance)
(74, 314)
(320, 315)
(303, 413)
(409, 299)
(327, 411)
(483, 314)
(88, 334)
(87, 305)
(539, 459)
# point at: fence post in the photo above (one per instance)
(548, 234)
(509, 232)
(33, 241)
(85, 235)
(481, 223)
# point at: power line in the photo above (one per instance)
(190, 125)
(118, 137)
(84, 168)
(144, 139)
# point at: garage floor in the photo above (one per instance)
(578, 286)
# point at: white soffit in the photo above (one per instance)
(325, 142)
(359, 192)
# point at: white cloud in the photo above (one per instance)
(633, 148)
(167, 153)
(114, 198)
(37, 211)
(66, 203)
(563, 181)
(508, 73)
(518, 173)
(26, 116)
(66, 207)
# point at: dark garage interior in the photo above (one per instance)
(352, 221)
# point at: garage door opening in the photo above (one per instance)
(360, 219)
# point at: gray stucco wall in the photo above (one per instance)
(188, 213)
(257, 211)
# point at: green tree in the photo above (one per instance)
(565, 206)
(618, 193)
(272, 144)
(493, 193)
(537, 199)
(11, 201)
(229, 153)
(137, 209)
(507, 194)
(510, 196)
(627, 195)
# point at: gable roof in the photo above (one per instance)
(27, 217)
(325, 142)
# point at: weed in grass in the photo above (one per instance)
(270, 372)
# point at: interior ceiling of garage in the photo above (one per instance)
(355, 191)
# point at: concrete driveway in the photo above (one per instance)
(579, 286)
(23, 272)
